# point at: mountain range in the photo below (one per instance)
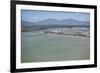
(55, 22)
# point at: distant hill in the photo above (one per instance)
(74, 22)
(56, 22)
(49, 22)
(26, 23)
(52, 23)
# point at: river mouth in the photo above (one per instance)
(37, 47)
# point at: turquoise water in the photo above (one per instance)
(37, 47)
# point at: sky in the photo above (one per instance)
(37, 15)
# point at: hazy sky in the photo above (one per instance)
(36, 15)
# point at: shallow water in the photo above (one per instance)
(36, 47)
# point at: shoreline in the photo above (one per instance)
(68, 31)
(67, 34)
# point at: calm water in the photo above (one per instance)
(38, 47)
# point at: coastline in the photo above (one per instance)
(83, 32)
